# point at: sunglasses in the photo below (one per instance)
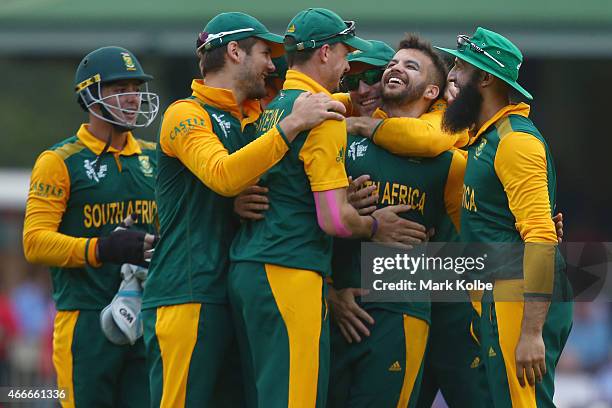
(369, 77)
(464, 41)
(349, 31)
(205, 39)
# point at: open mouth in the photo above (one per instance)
(395, 80)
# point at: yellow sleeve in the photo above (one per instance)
(345, 99)
(520, 164)
(454, 188)
(421, 137)
(186, 133)
(323, 155)
(46, 204)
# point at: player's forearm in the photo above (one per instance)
(412, 137)
(338, 218)
(359, 226)
(534, 316)
(56, 249)
(229, 174)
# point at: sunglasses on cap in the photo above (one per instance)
(205, 39)
(349, 31)
(369, 77)
(464, 41)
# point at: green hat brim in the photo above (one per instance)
(467, 58)
(275, 41)
(127, 76)
(368, 60)
(357, 43)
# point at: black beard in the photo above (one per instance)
(408, 95)
(463, 112)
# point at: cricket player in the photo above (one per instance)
(81, 189)
(508, 196)
(385, 367)
(276, 282)
(204, 160)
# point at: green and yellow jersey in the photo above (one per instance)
(431, 186)
(76, 196)
(196, 179)
(509, 195)
(289, 235)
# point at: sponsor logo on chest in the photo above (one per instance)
(357, 149)
(223, 124)
(145, 166)
(93, 171)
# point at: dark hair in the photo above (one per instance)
(214, 60)
(438, 76)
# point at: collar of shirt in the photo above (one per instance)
(380, 114)
(301, 81)
(521, 109)
(224, 99)
(96, 145)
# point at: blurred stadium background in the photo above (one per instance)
(568, 67)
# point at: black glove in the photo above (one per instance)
(122, 246)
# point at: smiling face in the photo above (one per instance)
(255, 67)
(122, 99)
(406, 77)
(367, 97)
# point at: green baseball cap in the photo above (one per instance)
(378, 55)
(315, 27)
(234, 26)
(493, 53)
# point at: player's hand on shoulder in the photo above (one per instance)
(362, 125)
(252, 202)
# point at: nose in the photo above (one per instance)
(452, 75)
(271, 67)
(363, 88)
(346, 67)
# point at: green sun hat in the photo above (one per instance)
(493, 53)
(315, 27)
(234, 26)
(379, 54)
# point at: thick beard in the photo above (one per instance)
(251, 83)
(410, 94)
(463, 112)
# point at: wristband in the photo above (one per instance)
(374, 226)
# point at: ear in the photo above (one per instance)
(324, 52)
(431, 92)
(486, 79)
(233, 52)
